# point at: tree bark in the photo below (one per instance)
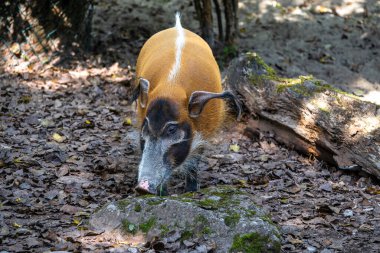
(219, 18)
(309, 115)
(203, 9)
(230, 12)
(204, 13)
(38, 21)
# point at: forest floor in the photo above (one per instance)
(67, 147)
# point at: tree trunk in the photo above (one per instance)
(36, 22)
(204, 13)
(230, 12)
(203, 9)
(219, 18)
(309, 115)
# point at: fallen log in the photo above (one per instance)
(308, 115)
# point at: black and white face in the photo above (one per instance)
(165, 143)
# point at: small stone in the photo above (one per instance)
(366, 228)
(326, 187)
(23, 231)
(214, 198)
(345, 178)
(201, 249)
(311, 249)
(188, 243)
(63, 171)
(264, 158)
(25, 186)
(173, 236)
(310, 173)
(69, 209)
(348, 213)
(51, 194)
(133, 250)
(4, 231)
(32, 242)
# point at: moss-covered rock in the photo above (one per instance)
(224, 215)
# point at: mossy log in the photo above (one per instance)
(308, 115)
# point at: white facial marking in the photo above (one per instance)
(197, 141)
(180, 42)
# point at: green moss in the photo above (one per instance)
(137, 207)
(250, 213)
(121, 204)
(324, 110)
(146, 226)
(147, 196)
(225, 200)
(298, 85)
(24, 100)
(294, 84)
(164, 230)
(269, 72)
(291, 82)
(154, 202)
(253, 243)
(229, 52)
(264, 71)
(206, 230)
(232, 219)
(188, 195)
(209, 204)
(201, 225)
(221, 191)
(201, 219)
(128, 227)
(268, 219)
(186, 235)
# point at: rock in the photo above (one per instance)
(51, 194)
(72, 180)
(32, 242)
(4, 231)
(201, 249)
(69, 209)
(133, 250)
(232, 220)
(326, 187)
(23, 231)
(311, 249)
(348, 213)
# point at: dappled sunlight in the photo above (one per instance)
(361, 126)
(115, 239)
(334, 41)
(54, 78)
(372, 96)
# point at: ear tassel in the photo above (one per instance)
(141, 90)
(199, 99)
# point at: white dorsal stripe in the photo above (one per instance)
(179, 43)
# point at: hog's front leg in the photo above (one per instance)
(191, 171)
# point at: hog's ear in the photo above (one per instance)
(199, 99)
(141, 90)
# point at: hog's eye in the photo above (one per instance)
(171, 129)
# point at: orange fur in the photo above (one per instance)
(198, 72)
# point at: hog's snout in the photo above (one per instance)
(143, 187)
